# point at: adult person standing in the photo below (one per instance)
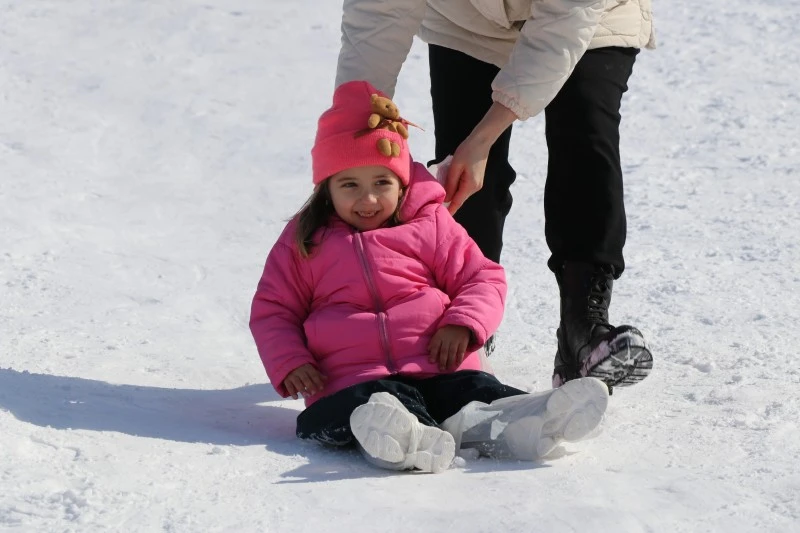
(493, 62)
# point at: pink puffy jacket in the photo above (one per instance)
(365, 305)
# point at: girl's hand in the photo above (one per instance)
(304, 380)
(448, 346)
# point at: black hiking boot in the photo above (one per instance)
(588, 345)
(490, 345)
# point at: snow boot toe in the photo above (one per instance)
(573, 412)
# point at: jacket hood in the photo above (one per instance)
(423, 190)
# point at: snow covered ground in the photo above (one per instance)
(150, 153)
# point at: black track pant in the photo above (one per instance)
(432, 400)
(583, 202)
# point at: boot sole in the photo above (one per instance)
(387, 431)
(573, 411)
(623, 361)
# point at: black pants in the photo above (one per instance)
(583, 201)
(432, 400)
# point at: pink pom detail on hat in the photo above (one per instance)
(342, 143)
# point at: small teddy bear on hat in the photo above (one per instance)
(385, 115)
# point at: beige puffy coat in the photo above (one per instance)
(537, 43)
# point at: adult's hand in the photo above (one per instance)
(466, 173)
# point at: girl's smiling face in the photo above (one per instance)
(365, 197)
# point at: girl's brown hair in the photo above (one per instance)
(316, 213)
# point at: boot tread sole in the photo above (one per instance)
(628, 362)
(389, 432)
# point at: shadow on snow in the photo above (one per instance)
(226, 417)
(236, 417)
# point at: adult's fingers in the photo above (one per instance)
(460, 197)
(451, 183)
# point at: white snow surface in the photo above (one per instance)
(150, 154)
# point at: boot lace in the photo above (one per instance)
(597, 311)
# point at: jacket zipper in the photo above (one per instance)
(376, 300)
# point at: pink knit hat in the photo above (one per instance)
(345, 140)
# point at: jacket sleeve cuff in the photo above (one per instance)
(513, 104)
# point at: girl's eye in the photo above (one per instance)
(382, 183)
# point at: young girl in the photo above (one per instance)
(374, 304)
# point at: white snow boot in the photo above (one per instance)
(389, 436)
(530, 426)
